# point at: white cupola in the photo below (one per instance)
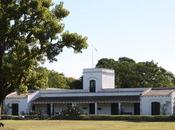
(96, 79)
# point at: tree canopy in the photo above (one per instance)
(31, 31)
(42, 78)
(129, 74)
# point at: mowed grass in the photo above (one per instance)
(85, 125)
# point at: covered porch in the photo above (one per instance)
(114, 105)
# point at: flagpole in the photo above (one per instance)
(93, 48)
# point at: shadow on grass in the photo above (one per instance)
(7, 128)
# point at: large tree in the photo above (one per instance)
(37, 78)
(129, 74)
(57, 80)
(31, 31)
(42, 78)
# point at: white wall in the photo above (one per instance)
(22, 105)
(91, 75)
(108, 81)
(145, 104)
(84, 108)
(105, 108)
(104, 78)
(127, 108)
(59, 108)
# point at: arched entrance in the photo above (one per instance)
(155, 108)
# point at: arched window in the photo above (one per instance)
(92, 86)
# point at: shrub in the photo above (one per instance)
(128, 117)
(71, 112)
(74, 113)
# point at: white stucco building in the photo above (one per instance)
(98, 96)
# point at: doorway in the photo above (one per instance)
(48, 109)
(15, 109)
(136, 108)
(155, 108)
(92, 108)
(114, 109)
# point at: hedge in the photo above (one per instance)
(97, 117)
(128, 117)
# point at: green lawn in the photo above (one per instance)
(85, 125)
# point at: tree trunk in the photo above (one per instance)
(0, 111)
(2, 97)
(1, 77)
(1, 57)
(1, 108)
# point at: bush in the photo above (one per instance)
(71, 112)
(74, 113)
(128, 117)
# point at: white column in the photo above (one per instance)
(172, 105)
(96, 109)
(119, 108)
(51, 109)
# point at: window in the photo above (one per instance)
(99, 108)
(92, 86)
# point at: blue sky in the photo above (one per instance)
(143, 30)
